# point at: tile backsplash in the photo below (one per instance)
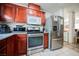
(12, 25)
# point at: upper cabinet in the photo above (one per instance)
(43, 19)
(34, 9)
(12, 13)
(34, 6)
(7, 12)
(34, 12)
(0, 12)
(21, 14)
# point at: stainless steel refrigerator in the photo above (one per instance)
(57, 33)
(55, 24)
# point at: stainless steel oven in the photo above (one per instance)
(35, 43)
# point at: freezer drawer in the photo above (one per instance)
(56, 44)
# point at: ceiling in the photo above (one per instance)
(52, 7)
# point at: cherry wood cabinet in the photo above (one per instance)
(11, 46)
(1, 13)
(13, 13)
(43, 19)
(3, 47)
(18, 14)
(8, 12)
(22, 44)
(45, 40)
(15, 45)
(38, 14)
(34, 6)
(34, 12)
(8, 46)
(21, 14)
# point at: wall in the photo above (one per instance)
(59, 12)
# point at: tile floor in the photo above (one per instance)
(67, 50)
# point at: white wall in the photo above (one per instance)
(59, 12)
(48, 14)
(48, 21)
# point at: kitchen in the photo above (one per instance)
(22, 29)
(25, 29)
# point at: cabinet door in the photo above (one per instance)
(38, 13)
(45, 40)
(10, 46)
(34, 6)
(43, 18)
(22, 47)
(1, 12)
(3, 47)
(9, 12)
(21, 14)
(34, 12)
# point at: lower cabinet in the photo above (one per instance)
(21, 45)
(3, 47)
(11, 43)
(45, 40)
(15, 45)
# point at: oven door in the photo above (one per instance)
(34, 41)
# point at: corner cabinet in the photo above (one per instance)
(45, 40)
(21, 14)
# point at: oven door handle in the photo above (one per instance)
(34, 35)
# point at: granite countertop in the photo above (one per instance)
(4, 36)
